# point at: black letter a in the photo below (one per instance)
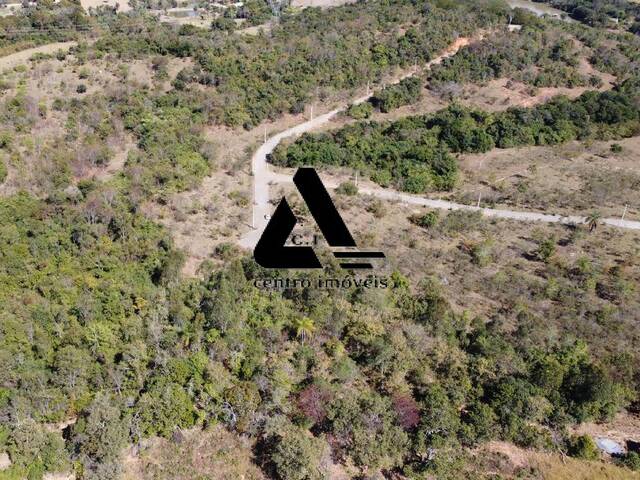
(271, 252)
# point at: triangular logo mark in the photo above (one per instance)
(271, 252)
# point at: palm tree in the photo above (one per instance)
(593, 220)
(304, 327)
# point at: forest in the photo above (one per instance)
(104, 344)
(313, 59)
(98, 324)
(537, 55)
(597, 13)
(415, 154)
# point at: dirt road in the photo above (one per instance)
(263, 177)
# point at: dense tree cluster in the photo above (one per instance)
(307, 53)
(405, 92)
(543, 57)
(598, 13)
(98, 326)
(413, 154)
(43, 23)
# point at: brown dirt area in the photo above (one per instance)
(623, 427)
(574, 178)
(512, 275)
(214, 453)
(511, 462)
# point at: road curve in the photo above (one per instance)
(263, 177)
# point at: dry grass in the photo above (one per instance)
(511, 462)
(214, 453)
(574, 178)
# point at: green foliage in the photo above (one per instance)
(347, 188)
(3, 171)
(296, 454)
(35, 450)
(260, 77)
(365, 423)
(171, 156)
(428, 220)
(596, 13)
(48, 22)
(165, 408)
(632, 460)
(539, 57)
(405, 92)
(99, 437)
(412, 154)
(546, 249)
(360, 111)
(615, 148)
(583, 446)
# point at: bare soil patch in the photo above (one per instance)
(575, 178)
(214, 453)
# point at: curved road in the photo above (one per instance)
(263, 177)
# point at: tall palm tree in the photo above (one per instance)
(593, 220)
(304, 327)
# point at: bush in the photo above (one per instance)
(584, 447)
(428, 220)
(632, 460)
(360, 111)
(546, 249)
(297, 455)
(403, 93)
(3, 171)
(82, 88)
(347, 188)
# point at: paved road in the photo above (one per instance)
(263, 177)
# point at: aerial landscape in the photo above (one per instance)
(320, 239)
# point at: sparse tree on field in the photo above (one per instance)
(593, 220)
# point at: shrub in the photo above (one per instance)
(82, 88)
(632, 460)
(584, 447)
(403, 93)
(616, 148)
(546, 249)
(297, 455)
(347, 188)
(428, 220)
(3, 171)
(360, 111)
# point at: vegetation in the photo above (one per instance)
(405, 92)
(360, 111)
(584, 447)
(132, 350)
(45, 22)
(414, 153)
(539, 55)
(597, 13)
(316, 50)
(103, 343)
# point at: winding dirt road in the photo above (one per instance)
(263, 177)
